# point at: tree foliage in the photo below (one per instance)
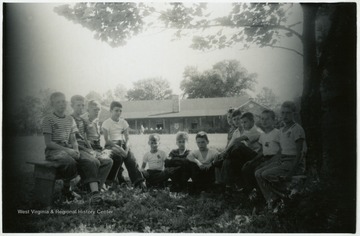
(92, 95)
(113, 23)
(120, 92)
(226, 79)
(248, 23)
(267, 97)
(150, 89)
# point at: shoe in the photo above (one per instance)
(141, 185)
(70, 195)
(95, 198)
(104, 188)
(176, 188)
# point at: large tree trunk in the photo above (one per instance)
(311, 99)
(338, 88)
(329, 111)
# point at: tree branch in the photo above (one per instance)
(273, 46)
(285, 48)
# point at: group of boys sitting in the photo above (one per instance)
(264, 159)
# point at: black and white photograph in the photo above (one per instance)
(179, 117)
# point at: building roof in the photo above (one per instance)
(188, 107)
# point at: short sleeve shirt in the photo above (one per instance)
(116, 129)
(270, 142)
(289, 137)
(230, 134)
(80, 135)
(253, 136)
(176, 153)
(155, 161)
(211, 155)
(60, 128)
(236, 134)
(92, 128)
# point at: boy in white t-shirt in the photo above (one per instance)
(270, 146)
(275, 179)
(155, 174)
(116, 134)
(202, 164)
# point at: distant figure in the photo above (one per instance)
(142, 129)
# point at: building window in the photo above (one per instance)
(194, 125)
(159, 126)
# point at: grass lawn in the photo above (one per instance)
(156, 211)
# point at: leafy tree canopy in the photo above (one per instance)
(150, 89)
(92, 95)
(250, 23)
(267, 97)
(113, 23)
(226, 79)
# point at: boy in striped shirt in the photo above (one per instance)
(61, 146)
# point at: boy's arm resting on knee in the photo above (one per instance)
(143, 165)
(127, 143)
(191, 158)
(233, 142)
(108, 141)
(75, 146)
(52, 145)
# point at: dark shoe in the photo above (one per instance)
(95, 198)
(141, 185)
(176, 188)
(70, 195)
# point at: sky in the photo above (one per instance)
(46, 50)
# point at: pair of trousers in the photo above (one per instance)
(233, 163)
(92, 168)
(271, 179)
(155, 177)
(248, 170)
(182, 175)
(67, 169)
(131, 165)
(202, 178)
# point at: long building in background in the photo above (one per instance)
(191, 115)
